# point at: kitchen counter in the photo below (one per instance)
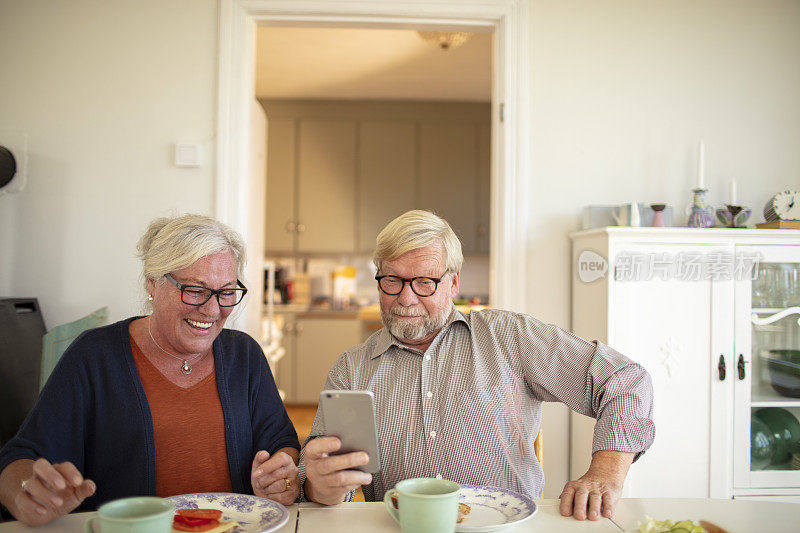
(372, 313)
(306, 311)
(369, 314)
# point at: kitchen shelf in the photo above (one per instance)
(765, 396)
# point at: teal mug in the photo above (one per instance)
(425, 505)
(140, 514)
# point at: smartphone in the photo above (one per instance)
(350, 415)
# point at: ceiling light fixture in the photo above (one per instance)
(445, 40)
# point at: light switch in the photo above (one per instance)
(187, 155)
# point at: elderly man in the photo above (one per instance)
(460, 396)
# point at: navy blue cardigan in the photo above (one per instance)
(94, 413)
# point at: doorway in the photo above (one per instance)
(364, 125)
(506, 18)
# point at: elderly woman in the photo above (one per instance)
(164, 404)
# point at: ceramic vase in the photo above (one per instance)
(702, 215)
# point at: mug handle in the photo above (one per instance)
(387, 500)
(87, 526)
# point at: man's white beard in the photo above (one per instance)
(414, 331)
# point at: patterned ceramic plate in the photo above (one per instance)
(254, 514)
(492, 509)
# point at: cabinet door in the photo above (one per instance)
(767, 391)
(671, 326)
(326, 174)
(280, 216)
(285, 370)
(387, 177)
(320, 341)
(448, 176)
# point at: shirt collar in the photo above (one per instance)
(386, 340)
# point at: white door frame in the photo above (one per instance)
(510, 105)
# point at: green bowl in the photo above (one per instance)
(784, 372)
(785, 430)
(762, 444)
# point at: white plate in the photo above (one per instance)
(254, 514)
(492, 509)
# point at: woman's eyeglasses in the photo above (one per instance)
(197, 295)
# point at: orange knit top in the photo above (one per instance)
(189, 432)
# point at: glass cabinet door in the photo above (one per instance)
(767, 371)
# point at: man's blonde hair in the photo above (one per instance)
(175, 243)
(417, 229)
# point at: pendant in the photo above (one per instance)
(186, 368)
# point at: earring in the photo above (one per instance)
(149, 297)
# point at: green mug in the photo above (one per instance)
(140, 514)
(425, 505)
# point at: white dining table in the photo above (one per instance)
(733, 515)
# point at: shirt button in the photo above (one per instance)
(433, 434)
(427, 357)
(438, 476)
(429, 394)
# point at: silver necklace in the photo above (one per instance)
(186, 368)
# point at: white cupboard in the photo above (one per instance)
(678, 301)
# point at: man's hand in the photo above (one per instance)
(40, 492)
(599, 489)
(275, 477)
(330, 477)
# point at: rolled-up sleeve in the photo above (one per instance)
(592, 379)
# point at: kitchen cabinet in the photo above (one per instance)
(312, 344)
(280, 218)
(386, 188)
(449, 176)
(339, 172)
(678, 301)
(311, 179)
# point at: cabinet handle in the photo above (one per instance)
(721, 367)
(301, 227)
(740, 366)
(290, 226)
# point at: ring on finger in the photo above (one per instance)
(288, 483)
(24, 485)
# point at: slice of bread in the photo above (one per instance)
(463, 511)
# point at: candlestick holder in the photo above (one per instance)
(733, 216)
(658, 215)
(702, 215)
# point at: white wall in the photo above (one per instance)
(622, 91)
(102, 89)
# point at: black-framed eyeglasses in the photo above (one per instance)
(421, 285)
(197, 295)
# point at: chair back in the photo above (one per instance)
(56, 341)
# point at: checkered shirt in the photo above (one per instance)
(469, 408)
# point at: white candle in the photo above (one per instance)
(733, 192)
(701, 166)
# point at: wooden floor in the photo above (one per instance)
(302, 416)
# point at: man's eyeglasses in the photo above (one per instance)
(421, 285)
(196, 295)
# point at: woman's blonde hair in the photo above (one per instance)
(175, 243)
(413, 230)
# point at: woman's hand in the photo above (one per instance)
(276, 477)
(40, 492)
